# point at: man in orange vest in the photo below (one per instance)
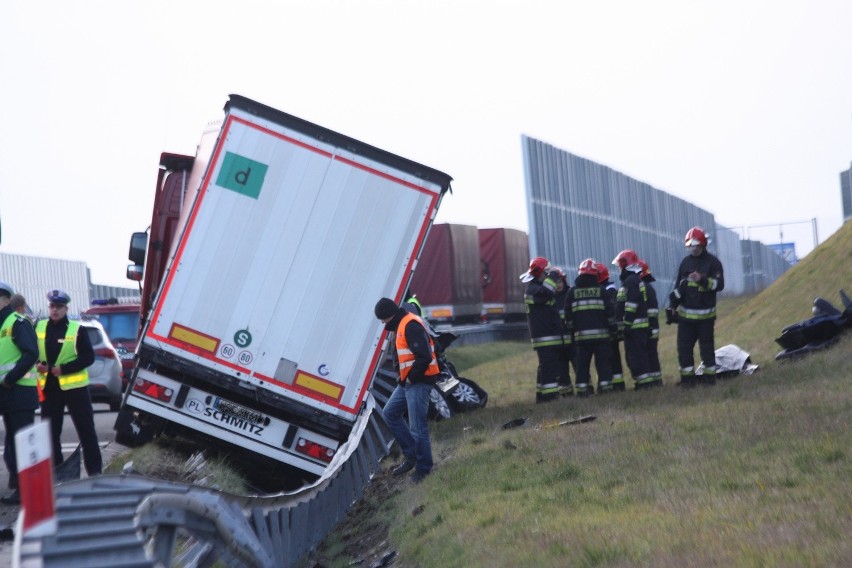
(65, 351)
(418, 372)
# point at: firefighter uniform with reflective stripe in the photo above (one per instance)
(592, 319)
(560, 296)
(610, 296)
(18, 398)
(632, 313)
(547, 336)
(695, 304)
(654, 326)
(66, 345)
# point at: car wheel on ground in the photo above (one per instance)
(439, 408)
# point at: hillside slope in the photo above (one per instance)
(751, 472)
(755, 324)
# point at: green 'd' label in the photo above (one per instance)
(242, 175)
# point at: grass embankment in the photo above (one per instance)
(752, 472)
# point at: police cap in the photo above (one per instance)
(58, 296)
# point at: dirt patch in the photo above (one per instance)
(362, 538)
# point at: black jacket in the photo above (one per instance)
(699, 295)
(653, 306)
(632, 302)
(545, 325)
(587, 309)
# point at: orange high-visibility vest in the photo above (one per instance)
(404, 354)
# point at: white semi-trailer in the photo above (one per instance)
(266, 254)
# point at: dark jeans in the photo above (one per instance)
(82, 414)
(412, 436)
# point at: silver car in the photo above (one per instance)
(105, 373)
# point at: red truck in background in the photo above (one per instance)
(120, 320)
(505, 255)
(447, 279)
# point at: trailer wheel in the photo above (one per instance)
(132, 431)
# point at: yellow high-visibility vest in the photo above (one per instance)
(67, 353)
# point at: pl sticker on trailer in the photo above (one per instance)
(242, 175)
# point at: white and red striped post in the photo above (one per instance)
(35, 479)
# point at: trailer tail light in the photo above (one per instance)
(314, 450)
(153, 390)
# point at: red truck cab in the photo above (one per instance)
(120, 320)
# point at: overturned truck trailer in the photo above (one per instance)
(267, 252)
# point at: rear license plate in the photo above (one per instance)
(239, 411)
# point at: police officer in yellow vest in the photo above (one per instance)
(64, 353)
(18, 398)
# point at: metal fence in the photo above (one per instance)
(581, 209)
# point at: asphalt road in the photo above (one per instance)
(104, 420)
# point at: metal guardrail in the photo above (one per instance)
(127, 521)
(114, 521)
(477, 334)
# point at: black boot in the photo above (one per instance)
(688, 381)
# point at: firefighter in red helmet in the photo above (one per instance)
(631, 313)
(592, 320)
(546, 328)
(654, 325)
(692, 305)
(610, 294)
(561, 293)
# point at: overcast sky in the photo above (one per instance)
(741, 107)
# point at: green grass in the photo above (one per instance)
(171, 459)
(752, 472)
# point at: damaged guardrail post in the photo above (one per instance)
(34, 454)
(207, 517)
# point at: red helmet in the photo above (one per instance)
(603, 272)
(537, 267)
(588, 267)
(560, 275)
(695, 236)
(646, 270)
(627, 259)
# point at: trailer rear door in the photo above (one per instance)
(295, 233)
